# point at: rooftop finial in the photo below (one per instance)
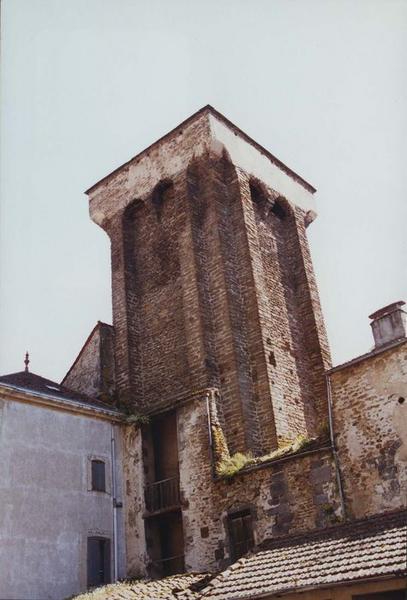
(26, 361)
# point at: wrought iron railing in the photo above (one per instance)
(162, 495)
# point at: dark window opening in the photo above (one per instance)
(162, 489)
(278, 210)
(131, 211)
(98, 560)
(165, 538)
(272, 359)
(260, 198)
(98, 476)
(256, 193)
(172, 543)
(240, 525)
(161, 193)
(165, 446)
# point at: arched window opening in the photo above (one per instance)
(278, 210)
(130, 211)
(161, 193)
(257, 194)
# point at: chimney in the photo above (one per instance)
(389, 324)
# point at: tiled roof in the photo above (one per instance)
(175, 587)
(31, 382)
(370, 548)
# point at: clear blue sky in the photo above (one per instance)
(88, 84)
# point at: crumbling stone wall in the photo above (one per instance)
(133, 501)
(93, 371)
(84, 374)
(287, 496)
(370, 423)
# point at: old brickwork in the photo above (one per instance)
(220, 341)
(134, 507)
(370, 421)
(93, 371)
(213, 287)
(287, 496)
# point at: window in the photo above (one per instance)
(278, 209)
(163, 191)
(256, 192)
(98, 476)
(265, 202)
(98, 560)
(240, 525)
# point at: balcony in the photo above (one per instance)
(163, 495)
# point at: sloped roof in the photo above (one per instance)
(366, 549)
(31, 382)
(176, 587)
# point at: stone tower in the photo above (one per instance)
(213, 285)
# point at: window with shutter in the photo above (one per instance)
(240, 526)
(98, 476)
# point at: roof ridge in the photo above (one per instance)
(208, 108)
(374, 521)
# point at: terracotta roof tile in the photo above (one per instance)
(363, 549)
(175, 587)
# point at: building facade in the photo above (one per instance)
(61, 457)
(220, 342)
(235, 439)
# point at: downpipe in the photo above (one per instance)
(114, 500)
(335, 454)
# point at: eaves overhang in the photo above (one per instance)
(19, 394)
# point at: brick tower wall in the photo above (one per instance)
(214, 289)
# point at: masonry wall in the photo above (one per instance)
(93, 371)
(211, 290)
(291, 327)
(289, 496)
(46, 509)
(133, 502)
(84, 375)
(370, 423)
